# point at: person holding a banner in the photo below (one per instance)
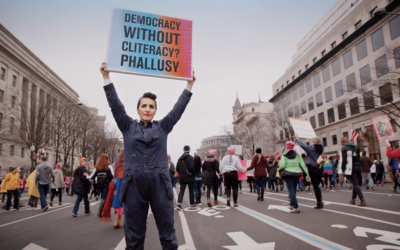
(260, 165)
(351, 167)
(146, 173)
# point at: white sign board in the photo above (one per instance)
(238, 150)
(302, 128)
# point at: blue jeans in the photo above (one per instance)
(260, 183)
(334, 177)
(182, 192)
(43, 189)
(291, 184)
(197, 188)
(174, 180)
(103, 188)
(78, 202)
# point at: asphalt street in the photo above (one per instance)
(252, 225)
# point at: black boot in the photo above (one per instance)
(258, 198)
(100, 208)
(262, 196)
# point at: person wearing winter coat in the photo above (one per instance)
(172, 172)
(67, 183)
(44, 176)
(185, 168)
(394, 164)
(351, 151)
(291, 167)
(59, 181)
(260, 164)
(315, 169)
(33, 192)
(211, 176)
(146, 145)
(229, 167)
(273, 168)
(12, 184)
(81, 187)
(366, 164)
(198, 182)
(380, 170)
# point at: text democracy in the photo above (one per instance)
(155, 22)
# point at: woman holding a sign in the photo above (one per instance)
(146, 173)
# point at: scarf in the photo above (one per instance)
(106, 214)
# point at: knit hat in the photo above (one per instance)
(258, 150)
(289, 145)
(266, 156)
(315, 140)
(231, 150)
(82, 159)
(59, 165)
(186, 149)
(212, 152)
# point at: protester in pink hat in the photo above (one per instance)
(67, 183)
(59, 185)
(211, 176)
(292, 165)
(229, 167)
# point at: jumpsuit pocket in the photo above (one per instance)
(124, 188)
(165, 185)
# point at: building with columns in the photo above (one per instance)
(345, 71)
(217, 142)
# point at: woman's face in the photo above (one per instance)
(147, 109)
(84, 163)
(15, 171)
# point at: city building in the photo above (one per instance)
(29, 93)
(217, 142)
(345, 71)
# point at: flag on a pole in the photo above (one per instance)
(354, 135)
(362, 135)
(91, 163)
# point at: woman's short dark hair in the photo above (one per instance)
(148, 95)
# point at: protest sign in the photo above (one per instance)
(242, 176)
(239, 149)
(149, 44)
(383, 127)
(302, 128)
(276, 154)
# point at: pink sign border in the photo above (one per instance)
(376, 131)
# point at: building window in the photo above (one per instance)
(312, 121)
(295, 96)
(12, 101)
(282, 86)
(325, 74)
(307, 66)
(252, 109)
(296, 112)
(1, 96)
(284, 103)
(319, 99)
(309, 85)
(280, 120)
(277, 90)
(333, 44)
(303, 108)
(395, 27)
(346, 134)
(289, 99)
(22, 152)
(365, 74)
(317, 81)
(14, 81)
(351, 82)
(358, 24)
(314, 60)
(290, 113)
(334, 139)
(385, 93)
(293, 77)
(1, 121)
(301, 90)
(324, 142)
(310, 104)
(331, 115)
(377, 39)
(362, 50)
(336, 67)
(369, 101)
(393, 125)
(12, 150)
(339, 89)
(396, 53)
(3, 74)
(287, 82)
(354, 107)
(345, 35)
(342, 111)
(321, 119)
(372, 12)
(381, 66)
(348, 59)
(328, 94)
(299, 72)
(323, 53)
(11, 125)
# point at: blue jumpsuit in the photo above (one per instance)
(146, 172)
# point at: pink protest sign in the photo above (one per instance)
(383, 127)
(243, 176)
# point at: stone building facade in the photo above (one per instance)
(217, 142)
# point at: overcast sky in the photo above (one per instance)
(241, 46)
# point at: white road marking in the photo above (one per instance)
(302, 235)
(121, 245)
(382, 247)
(339, 226)
(208, 212)
(387, 236)
(94, 203)
(219, 216)
(282, 208)
(244, 242)
(185, 227)
(373, 193)
(33, 246)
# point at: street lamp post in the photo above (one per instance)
(382, 11)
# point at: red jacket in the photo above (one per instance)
(260, 166)
(393, 154)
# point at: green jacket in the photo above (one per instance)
(291, 162)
